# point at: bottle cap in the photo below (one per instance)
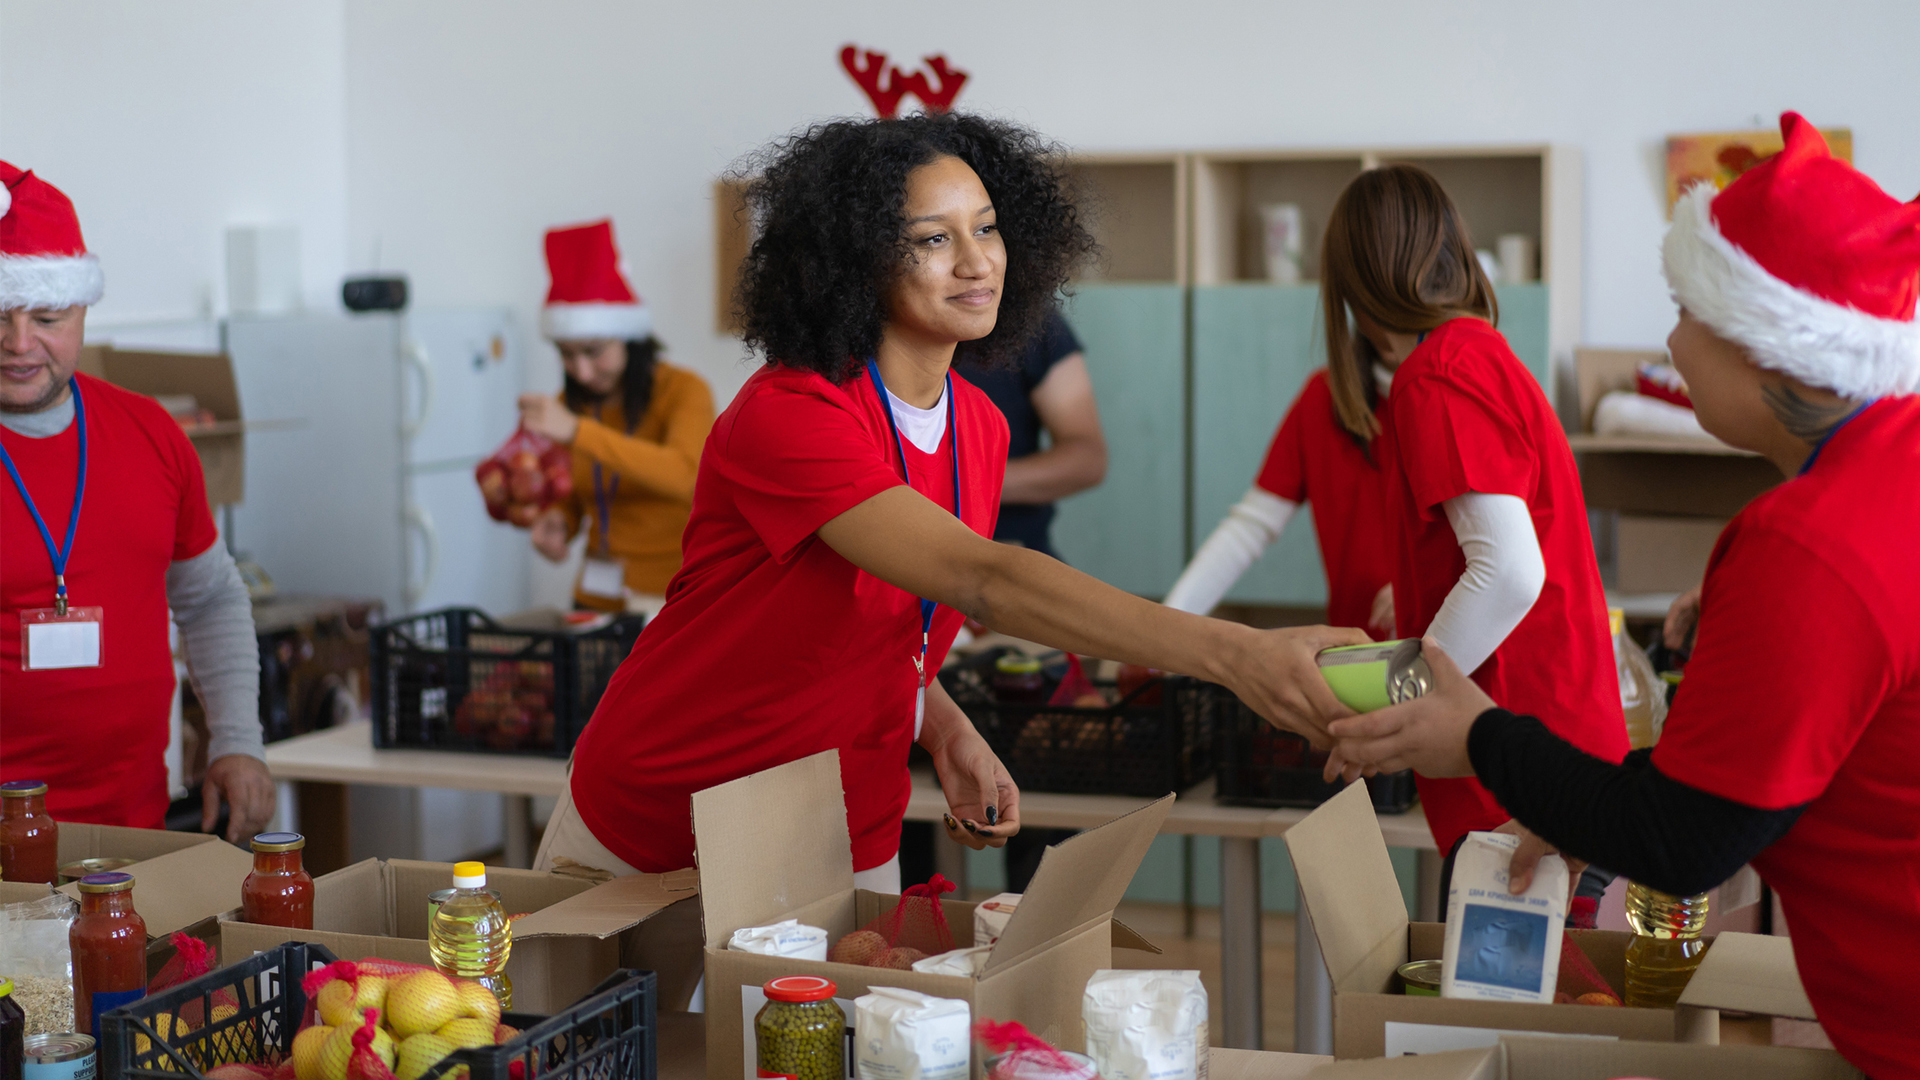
(20, 789)
(106, 883)
(469, 875)
(273, 843)
(800, 988)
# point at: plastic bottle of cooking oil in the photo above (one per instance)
(1643, 697)
(470, 937)
(1666, 946)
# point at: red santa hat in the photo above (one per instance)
(590, 297)
(1809, 265)
(43, 261)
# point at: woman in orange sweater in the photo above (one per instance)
(635, 425)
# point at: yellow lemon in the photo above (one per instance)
(306, 1052)
(418, 1053)
(469, 1032)
(421, 1002)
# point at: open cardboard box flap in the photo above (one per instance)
(1749, 973)
(183, 888)
(82, 841)
(1341, 860)
(609, 908)
(1518, 1058)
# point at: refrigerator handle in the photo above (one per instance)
(422, 522)
(414, 353)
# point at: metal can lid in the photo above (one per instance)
(800, 988)
(269, 843)
(74, 871)
(20, 789)
(1421, 972)
(106, 883)
(58, 1046)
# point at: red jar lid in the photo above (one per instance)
(800, 988)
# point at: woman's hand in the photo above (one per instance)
(1682, 618)
(1427, 734)
(550, 535)
(545, 415)
(983, 803)
(1526, 858)
(1279, 679)
(1381, 619)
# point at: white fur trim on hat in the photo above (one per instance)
(1788, 330)
(50, 281)
(573, 322)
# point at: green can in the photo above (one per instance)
(1421, 978)
(1374, 676)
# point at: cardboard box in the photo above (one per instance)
(575, 933)
(1662, 554)
(775, 846)
(1361, 921)
(1582, 1059)
(206, 376)
(181, 881)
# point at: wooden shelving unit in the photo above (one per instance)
(1136, 207)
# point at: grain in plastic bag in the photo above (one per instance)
(1146, 1025)
(34, 953)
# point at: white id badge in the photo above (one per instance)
(50, 640)
(919, 710)
(603, 576)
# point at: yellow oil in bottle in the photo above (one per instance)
(470, 937)
(1666, 946)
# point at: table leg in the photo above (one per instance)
(950, 860)
(1427, 866)
(1240, 942)
(1312, 987)
(519, 829)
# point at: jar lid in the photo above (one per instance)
(1016, 664)
(470, 875)
(19, 789)
(106, 883)
(269, 843)
(800, 988)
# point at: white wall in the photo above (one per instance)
(167, 122)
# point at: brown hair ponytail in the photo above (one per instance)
(1397, 253)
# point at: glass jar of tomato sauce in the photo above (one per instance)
(109, 943)
(279, 892)
(29, 839)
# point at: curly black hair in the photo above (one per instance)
(830, 206)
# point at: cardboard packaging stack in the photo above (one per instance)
(1516, 1058)
(574, 934)
(1361, 921)
(208, 379)
(775, 846)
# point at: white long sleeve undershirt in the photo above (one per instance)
(1253, 524)
(1504, 575)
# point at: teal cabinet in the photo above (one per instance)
(1131, 530)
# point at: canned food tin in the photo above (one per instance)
(64, 1055)
(1369, 677)
(1421, 978)
(74, 871)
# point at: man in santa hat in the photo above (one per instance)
(105, 528)
(1794, 740)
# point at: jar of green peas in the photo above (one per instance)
(800, 1033)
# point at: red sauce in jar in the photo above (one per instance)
(29, 838)
(279, 892)
(109, 943)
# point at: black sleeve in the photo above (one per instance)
(1055, 343)
(1629, 818)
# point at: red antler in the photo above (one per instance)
(886, 99)
(951, 80)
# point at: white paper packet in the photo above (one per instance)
(965, 962)
(1502, 947)
(788, 938)
(906, 1035)
(1147, 1025)
(990, 917)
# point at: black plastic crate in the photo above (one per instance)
(458, 680)
(1260, 765)
(1158, 739)
(610, 1035)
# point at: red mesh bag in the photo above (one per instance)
(915, 929)
(1578, 975)
(1075, 688)
(193, 958)
(1014, 1053)
(528, 474)
(365, 1063)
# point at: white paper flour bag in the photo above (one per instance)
(788, 938)
(906, 1035)
(990, 917)
(963, 962)
(1502, 947)
(1147, 1025)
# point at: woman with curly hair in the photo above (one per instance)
(843, 508)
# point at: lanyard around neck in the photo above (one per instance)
(603, 493)
(953, 441)
(60, 554)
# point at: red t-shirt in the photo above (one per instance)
(1467, 416)
(98, 736)
(771, 646)
(1315, 460)
(1804, 688)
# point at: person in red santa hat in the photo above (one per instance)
(635, 423)
(1792, 744)
(105, 528)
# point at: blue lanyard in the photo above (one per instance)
(1828, 437)
(61, 554)
(927, 607)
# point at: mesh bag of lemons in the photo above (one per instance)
(383, 1020)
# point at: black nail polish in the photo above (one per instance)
(951, 824)
(969, 826)
(993, 816)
